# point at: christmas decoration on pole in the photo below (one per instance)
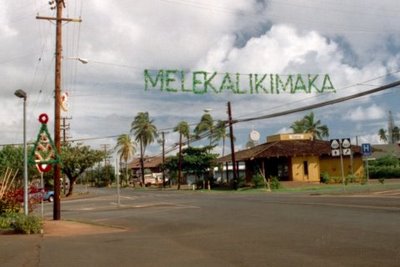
(44, 153)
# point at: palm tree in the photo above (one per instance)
(220, 133)
(126, 149)
(205, 125)
(145, 133)
(309, 125)
(184, 131)
(382, 135)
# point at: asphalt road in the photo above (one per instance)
(171, 228)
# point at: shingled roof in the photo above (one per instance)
(284, 149)
(149, 162)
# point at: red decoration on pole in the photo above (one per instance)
(43, 118)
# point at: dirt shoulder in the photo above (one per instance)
(71, 228)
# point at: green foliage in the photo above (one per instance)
(27, 224)
(258, 181)
(350, 179)
(145, 133)
(387, 161)
(7, 219)
(11, 157)
(384, 172)
(385, 167)
(325, 178)
(9, 205)
(275, 184)
(101, 176)
(21, 223)
(309, 125)
(77, 159)
(126, 148)
(196, 161)
(205, 125)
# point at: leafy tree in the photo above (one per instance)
(145, 133)
(12, 157)
(126, 148)
(184, 131)
(309, 125)
(197, 161)
(77, 159)
(387, 160)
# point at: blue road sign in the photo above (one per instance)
(366, 149)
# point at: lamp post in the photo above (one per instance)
(21, 94)
(81, 60)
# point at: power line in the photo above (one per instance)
(322, 104)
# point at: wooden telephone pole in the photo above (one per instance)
(58, 5)
(234, 169)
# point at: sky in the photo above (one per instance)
(355, 42)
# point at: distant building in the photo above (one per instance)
(150, 163)
(379, 151)
(296, 157)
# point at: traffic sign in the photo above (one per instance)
(366, 149)
(340, 147)
(346, 143)
(335, 146)
(346, 152)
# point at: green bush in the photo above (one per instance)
(351, 178)
(325, 178)
(336, 179)
(384, 172)
(258, 181)
(27, 224)
(275, 184)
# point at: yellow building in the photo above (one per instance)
(297, 157)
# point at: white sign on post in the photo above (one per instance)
(346, 147)
(335, 146)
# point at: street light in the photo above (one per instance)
(81, 60)
(21, 94)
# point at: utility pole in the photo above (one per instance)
(58, 5)
(163, 157)
(64, 127)
(235, 178)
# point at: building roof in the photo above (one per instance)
(379, 151)
(285, 148)
(149, 162)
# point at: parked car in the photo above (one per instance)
(37, 194)
(48, 196)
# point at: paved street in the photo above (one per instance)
(170, 228)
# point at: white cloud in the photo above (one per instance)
(373, 112)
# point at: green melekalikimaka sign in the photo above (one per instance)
(202, 82)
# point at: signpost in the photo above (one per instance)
(366, 151)
(341, 147)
